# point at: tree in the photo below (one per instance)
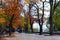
(13, 8)
(12, 11)
(56, 18)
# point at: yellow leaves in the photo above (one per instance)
(27, 1)
(14, 25)
(2, 11)
(36, 0)
(2, 20)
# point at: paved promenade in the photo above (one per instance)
(24, 36)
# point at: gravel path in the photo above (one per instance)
(24, 36)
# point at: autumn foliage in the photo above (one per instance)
(13, 8)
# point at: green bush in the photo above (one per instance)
(56, 19)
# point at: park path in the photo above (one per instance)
(25, 36)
